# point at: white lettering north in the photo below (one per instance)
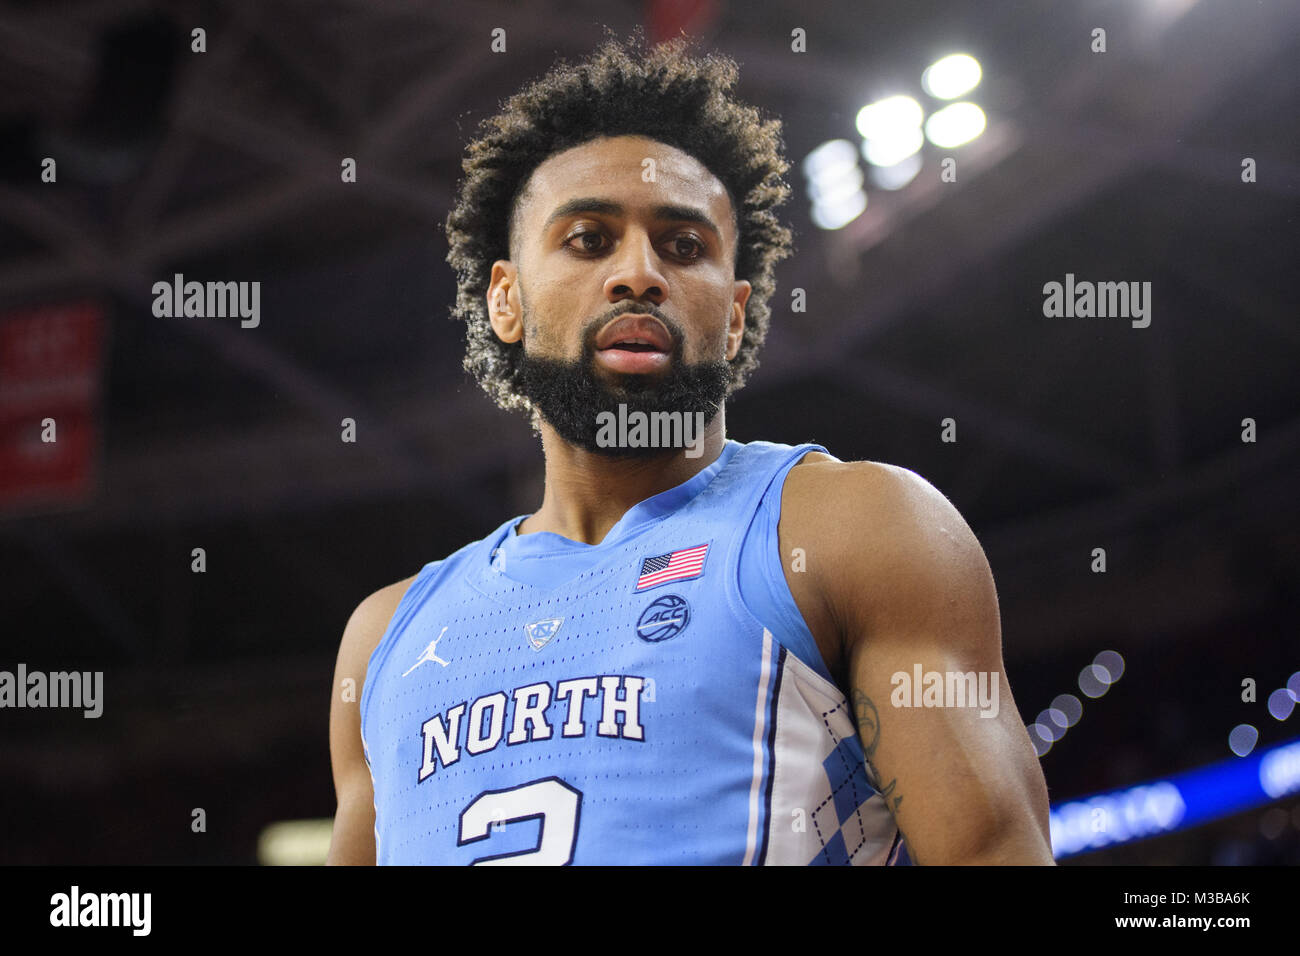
(629, 706)
(585, 687)
(444, 735)
(530, 714)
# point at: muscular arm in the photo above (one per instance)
(353, 839)
(897, 579)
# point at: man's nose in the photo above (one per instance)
(635, 271)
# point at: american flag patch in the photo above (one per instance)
(676, 566)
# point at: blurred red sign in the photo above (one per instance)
(51, 366)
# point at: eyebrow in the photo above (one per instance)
(607, 207)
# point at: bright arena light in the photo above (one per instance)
(887, 118)
(1040, 738)
(840, 215)
(1280, 703)
(1112, 663)
(833, 189)
(1094, 681)
(835, 184)
(295, 843)
(955, 125)
(1242, 739)
(1048, 727)
(952, 76)
(830, 158)
(1070, 706)
(898, 175)
(894, 147)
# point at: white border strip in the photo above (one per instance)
(760, 726)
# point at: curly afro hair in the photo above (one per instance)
(661, 93)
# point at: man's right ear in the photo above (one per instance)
(503, 303)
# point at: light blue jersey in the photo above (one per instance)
(653, 699)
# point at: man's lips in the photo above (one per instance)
(635, 333)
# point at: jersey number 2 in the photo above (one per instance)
(550, 800)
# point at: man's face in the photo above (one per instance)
(622, 287)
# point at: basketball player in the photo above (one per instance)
(689, 654)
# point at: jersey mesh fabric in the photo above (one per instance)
(532, 701)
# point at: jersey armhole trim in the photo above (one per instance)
(800, 642)
(375, 662)
(771, 566)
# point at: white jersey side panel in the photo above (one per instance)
(823, 809)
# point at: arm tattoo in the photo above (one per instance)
(869, 730)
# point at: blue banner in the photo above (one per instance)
(1176, 803)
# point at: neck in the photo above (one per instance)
(586, 493)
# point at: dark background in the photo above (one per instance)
(1072, 433)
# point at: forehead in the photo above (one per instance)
(615, 168)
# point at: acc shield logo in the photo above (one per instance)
(541, 632)
(667, 616)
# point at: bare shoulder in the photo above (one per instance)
(877, 534)
(365, 629)
(845, 493)
(368, 623)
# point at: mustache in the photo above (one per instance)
(592, 329)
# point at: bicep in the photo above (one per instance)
(940, 729)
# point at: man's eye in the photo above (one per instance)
(587, 241)
(688, 247)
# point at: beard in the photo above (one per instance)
(570, 396)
